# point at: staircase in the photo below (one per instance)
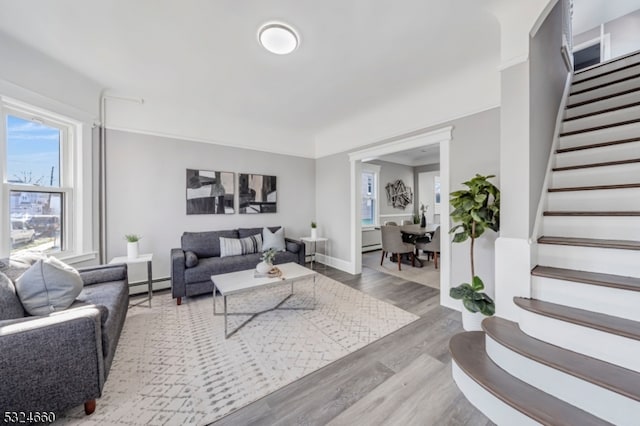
(574, 356)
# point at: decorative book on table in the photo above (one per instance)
(273, 273)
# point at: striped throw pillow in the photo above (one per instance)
(239, 246)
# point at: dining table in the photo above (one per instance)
(417, 231)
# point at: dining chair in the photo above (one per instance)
(390, 223)
(407, 222)
(432, 246)
(392, 243)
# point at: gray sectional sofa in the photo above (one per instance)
(61, 360)
(191, 281)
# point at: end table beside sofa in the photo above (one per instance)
(195, 280)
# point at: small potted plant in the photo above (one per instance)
(314, 230)
(132, 245)
(475, 209)
(267, 261)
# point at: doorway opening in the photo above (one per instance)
(436, 141)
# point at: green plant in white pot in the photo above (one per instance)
(132, 245)
(476, 209)
(267, 261)
(314, 230)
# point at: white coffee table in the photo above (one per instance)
(244, 281)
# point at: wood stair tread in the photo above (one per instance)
(603, 127)
(468, 350)
(602, 111)
(590, 242)
(593, 77)
(602, 98)
(595, 187)
(608, 83)
(593, 278)
(597, 145)
(592, 213)
(597, 321)
(609, 376)
(602, 164)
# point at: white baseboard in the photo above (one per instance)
(340, 264)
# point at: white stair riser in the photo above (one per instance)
(618, 116)
(616, 65)
(605, 91)
(495, 409)
(602, 227)
(626, 99)
(594, 399)
(595, 298)
(627, 199)
(590, 259)
(599, 136)
(623, 151)
(607, 175)
(594, 343)
(618, 75)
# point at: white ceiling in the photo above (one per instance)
(354, 54)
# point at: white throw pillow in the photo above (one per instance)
(49, 285)
(274, 240)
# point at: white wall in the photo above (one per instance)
(162, 117)
(146, 192)
(332, 203)
(625, 34)
(389, 173)
(547, 74)
(427, 194)
(32, 77)
(474, 149)
(465, 91)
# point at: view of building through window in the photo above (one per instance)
(33, 173)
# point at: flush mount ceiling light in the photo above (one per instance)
(278, 38)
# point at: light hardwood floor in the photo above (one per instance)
(401, 379)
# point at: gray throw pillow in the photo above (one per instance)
(190, 259)
(10, 306)
(49, 285)
(274, 240)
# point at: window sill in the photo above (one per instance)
(72, 258)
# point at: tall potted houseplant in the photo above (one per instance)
(476, 209)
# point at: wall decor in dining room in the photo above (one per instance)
(257, 193)
(398, 194)
(210, 192)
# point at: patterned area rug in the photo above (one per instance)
(173, 365)
(427, 275)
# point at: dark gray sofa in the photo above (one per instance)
(62, 360)
(206, 245)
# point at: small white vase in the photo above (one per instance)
(314, 233)
(472, 321)
(263, 267)
(132, 250)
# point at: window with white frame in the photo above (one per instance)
(38, 180)
(369, 209)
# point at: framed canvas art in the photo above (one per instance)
(210, 192)
(257, 193)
